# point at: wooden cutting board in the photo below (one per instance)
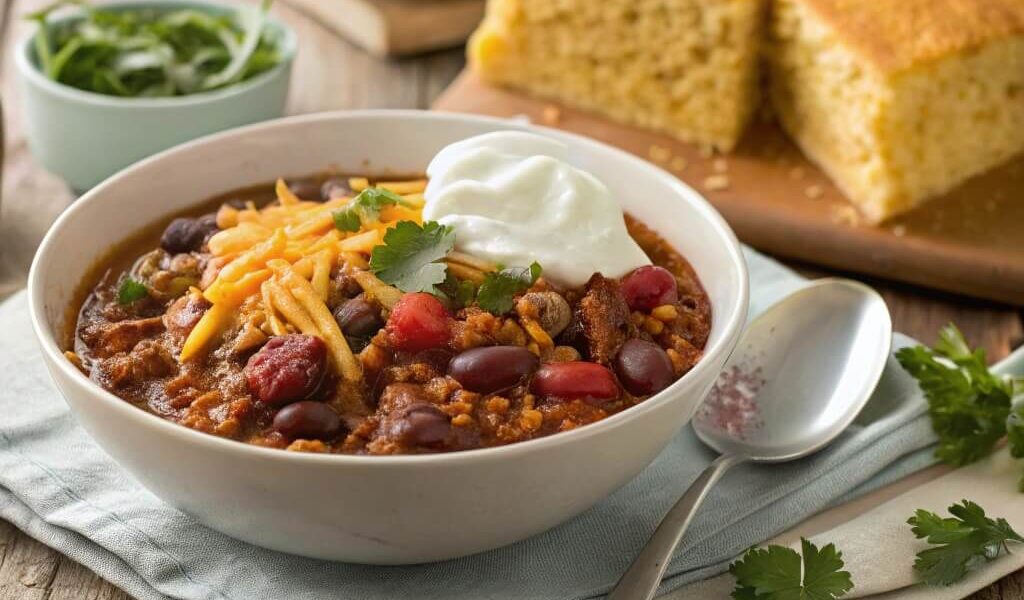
(970, 241)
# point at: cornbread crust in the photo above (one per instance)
(894, 35)
(688, 68)
(899, 100)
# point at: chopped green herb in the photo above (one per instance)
(1015, 425)
(347, 220)
(365, 207)
(457, 294)
(498, 289)
(776, 573)
(465, 293)
(962, 542)
(970, 407)
(149, 52)
(409, 257)
(131, 290)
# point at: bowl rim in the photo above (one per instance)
(732, 323)
(32, 73)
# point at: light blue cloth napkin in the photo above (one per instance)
(60, 488)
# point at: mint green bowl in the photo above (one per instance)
(85, 137)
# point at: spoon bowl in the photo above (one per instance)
(802, 372)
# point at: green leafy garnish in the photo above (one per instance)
(131, 290)
(962, 542)
(970, 407)
(151, 52)
(409, 257)
(499, 288)
(776, 573)
(365, 207)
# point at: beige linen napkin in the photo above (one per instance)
(879, 548)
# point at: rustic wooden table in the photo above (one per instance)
(331, 74)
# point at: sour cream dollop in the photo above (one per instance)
(513, 198)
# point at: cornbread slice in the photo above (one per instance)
(899, 100)
(684, 67)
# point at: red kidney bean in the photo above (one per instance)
(576, 379)
(358, 317)
(643, 367)
(649, 287)
(187, 235)
(491, 369)
(286, 369)
(418, 322)
(307, 420)
(421, 424)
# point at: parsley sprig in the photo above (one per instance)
(410, 257)
(365, 207)
(961, 543)
(131, 290)
(498, 289)
(971, 408)
(778, 573)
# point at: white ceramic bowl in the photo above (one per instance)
(382, 510)
(85, 137)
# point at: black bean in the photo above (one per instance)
(491, 369)
(358, 317)
(187, 235)
(422, 424)
(307, 420)
(305, 189)
(643, 367)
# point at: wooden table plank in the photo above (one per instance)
(330, 74)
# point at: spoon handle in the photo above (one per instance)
(641, 580)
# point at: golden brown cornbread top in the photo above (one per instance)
(900, 34)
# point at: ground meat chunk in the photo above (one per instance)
(183, 314)
(122, 336)
(603, 317)
(147, 360)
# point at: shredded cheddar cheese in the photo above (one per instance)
(278, 261)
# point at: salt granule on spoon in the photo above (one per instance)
(731, 406)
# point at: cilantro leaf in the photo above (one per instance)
(968, 404)
(776, 573)
(499, 288)
(409, 257)
(962, 542)
(131, 290)
(347, 219)
(465, 292)
(365, 207)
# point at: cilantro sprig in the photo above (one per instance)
(971, 408)
(365, 207)
(149, 52)
(409, 258)
(779, 573)
(498, 289)
(961, 543)
(131, 290)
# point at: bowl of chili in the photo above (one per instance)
(359, 505)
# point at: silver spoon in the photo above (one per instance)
(799, 376)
